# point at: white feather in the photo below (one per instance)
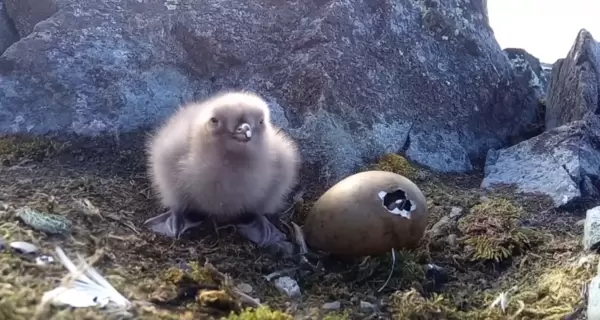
(88, 289)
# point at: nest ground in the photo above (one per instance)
(504, 242)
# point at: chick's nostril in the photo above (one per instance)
(243, 127)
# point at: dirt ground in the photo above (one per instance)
(504, 242)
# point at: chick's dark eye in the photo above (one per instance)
(261, 121)
(214, 120)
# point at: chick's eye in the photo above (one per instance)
(214, 120)
(261, 121)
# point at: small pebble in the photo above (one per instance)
(451, 240)
(2, 244)
(287, 286)
(366, 306)
(244, 287)
(456, 212)
(184, 266)
(44, 260)
(438, 226)
(436, 273)
(335, 305)
(23, 247)
(585, 260)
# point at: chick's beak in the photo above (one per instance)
(243, 132)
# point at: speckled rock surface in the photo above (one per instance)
(593, 305)
(574, 89)
(8, 33)
(563, 163)
(530, 69)
(591, 229)
(350, 80)
(25, 14)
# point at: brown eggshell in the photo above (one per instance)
(350, 219)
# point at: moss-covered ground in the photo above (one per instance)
(483, 243)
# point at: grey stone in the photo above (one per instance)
(591, 229)
(593, 304)
(574, 89)
(288, 286)
(335, 305)
(529, 68)
(8, 33)
(452, 240)
(23, 247)
(25, 14)
(367, 306)
(456, 212)
(350, 80)
(245, 288)
(555, 163)
(44, 260)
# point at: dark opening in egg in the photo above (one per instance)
(396, 200)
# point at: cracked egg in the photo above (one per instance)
(368, 213)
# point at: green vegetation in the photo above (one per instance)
(484, 250)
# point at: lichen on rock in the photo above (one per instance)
(144, 60)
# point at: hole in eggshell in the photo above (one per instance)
(397, 203)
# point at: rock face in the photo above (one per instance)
(27, 13)
(591, 229)
(593, 305)
(8, 34)
(574, 89)
(529, 68)
(564, 161)
(349, 80)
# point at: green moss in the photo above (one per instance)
(262, 313)
(408, 269)
(549, 292)
(548, 277)
(395, 163)
(492, 231)
(196, 273)
(201, 274)
(411, 305)
(14, 149)
(301, 210)
(174, 275)
(337, 316)
(217, 299)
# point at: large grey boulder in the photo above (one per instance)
(591, 229)
(349, 80)
(574, 89)
(8, 33)
(25, 14)
(529, 68)
(563, 163)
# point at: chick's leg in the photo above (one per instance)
(265, 234)
(172, 223)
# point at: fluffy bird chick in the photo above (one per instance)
(222, 159)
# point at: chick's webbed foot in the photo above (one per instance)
(266, 235)
(172, 223)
